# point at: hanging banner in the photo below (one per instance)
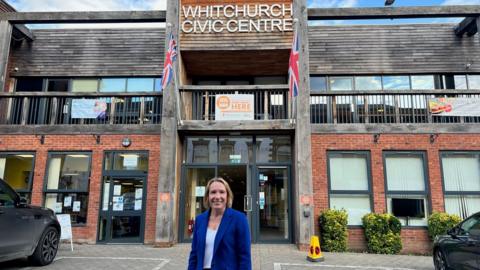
(88, 108)
(455, 106)
(234, 107)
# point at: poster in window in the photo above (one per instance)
(117, 203)
(67, 201)
(138, 204)
(58, 208)
(76, 206)
(88, 108)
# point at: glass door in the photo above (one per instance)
(122, 210)
(272, 195)
(196, 179)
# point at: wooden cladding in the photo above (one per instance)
(394, 49)
(240, 26)
(90, 52)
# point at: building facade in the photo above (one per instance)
(377, 125)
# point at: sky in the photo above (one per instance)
(118, 5)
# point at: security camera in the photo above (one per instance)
(15, 69)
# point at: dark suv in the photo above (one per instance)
(460, 248)
(25, 230)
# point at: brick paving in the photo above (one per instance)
(265, 256)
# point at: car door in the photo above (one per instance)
(16, 226)
(469, 244)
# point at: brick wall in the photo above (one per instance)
(88, 233)
(414, 240)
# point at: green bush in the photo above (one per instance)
(440, 223)
(382, 232)
(333, 230)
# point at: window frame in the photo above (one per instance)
(29, 189)
(368, 192)
(86, 192)
(455, 193)
(425, 193)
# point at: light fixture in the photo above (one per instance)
(41, 138)
(433, 137)
(126, 142)
(376, 137)
(97, 138)
(389, 2)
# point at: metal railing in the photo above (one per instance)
(399, 107)
(39, 108)
(270, 101)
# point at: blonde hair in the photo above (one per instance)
(227, 187)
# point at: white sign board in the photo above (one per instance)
(66, 227)
(234, 107)
(88, 108)
(200, 191)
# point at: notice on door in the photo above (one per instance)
(234, 107)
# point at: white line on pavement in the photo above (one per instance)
(278, 266)
(158, 267)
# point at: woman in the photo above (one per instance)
(221, 237)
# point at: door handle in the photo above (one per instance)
(247, 203)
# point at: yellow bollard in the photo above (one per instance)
(315, 253)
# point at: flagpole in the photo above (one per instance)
(293, 112)
(175, 85)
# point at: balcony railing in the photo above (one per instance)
(270, 101)
(399, 107)
(40, 108)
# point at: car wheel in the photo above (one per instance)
(47, 247)
(439, 260)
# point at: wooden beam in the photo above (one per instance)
(5, 38)
(84, 17)
(165, 225)
(393, 12)
(79, 94)
(395, 128)
(468, 25)
(234, 87)
(79, 129)
(192, 125)
(20, 31)
(302, 163)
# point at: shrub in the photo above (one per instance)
(333, 230)
(440, 223)
(382, 232)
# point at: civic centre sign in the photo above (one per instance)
(246, 18)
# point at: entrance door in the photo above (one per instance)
(122, 210)
(272, 206)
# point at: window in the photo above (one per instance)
(365, 83)
(67, 183)
(140, 85)
(273, 149)
(461, 182)
(201, 150)
(27, 84)
(341, 83)
(84, 85)
(423, 82)
(119, 161)
(113, 85)
(7, 199)
(57, 85)
(474, 82)
(349, 184)
(318, 84)
(17, 170)
(235, 149)
(406, 186)
(396, 83)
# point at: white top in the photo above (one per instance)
(209, 243)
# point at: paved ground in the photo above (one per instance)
(265, 257)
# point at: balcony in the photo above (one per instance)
(57, 108)
(270, 101)
(385, 107)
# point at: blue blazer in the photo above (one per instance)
(232, 243)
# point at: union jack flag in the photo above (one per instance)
(169, 59)
(293, 75)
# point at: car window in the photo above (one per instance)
(5, 199)
(472, 225)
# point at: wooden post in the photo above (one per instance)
(5, 38)
(165, 226)
(302, 167)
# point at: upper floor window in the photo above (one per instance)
(396, 82)
(364, 83)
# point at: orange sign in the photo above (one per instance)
(234, 107)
